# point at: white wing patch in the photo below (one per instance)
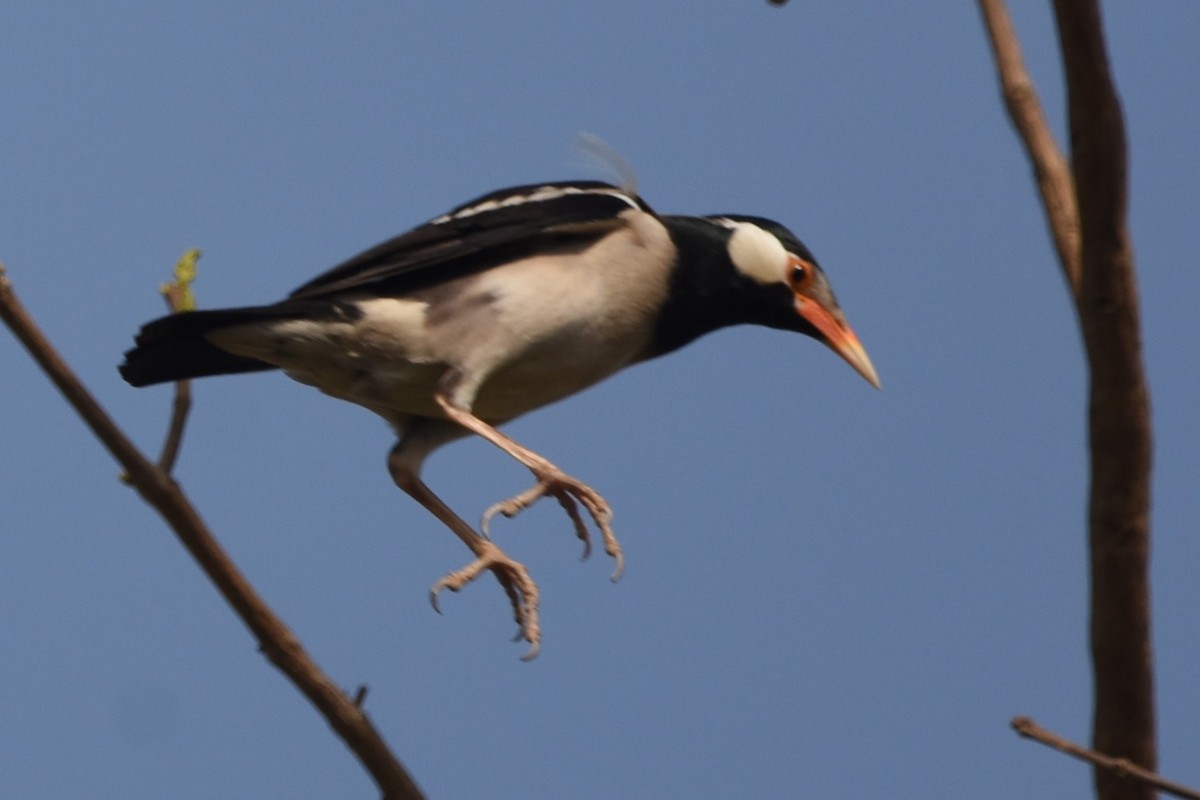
(758, 254)
(538, 195)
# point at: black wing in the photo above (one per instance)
(490, 230)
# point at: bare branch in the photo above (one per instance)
(1097, 257)
(1054, 182)
(181, 404)
(160, 491)
(1120, 432)
(1121, 767)
(178, 294)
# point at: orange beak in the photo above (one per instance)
(840, 338)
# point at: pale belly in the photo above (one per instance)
(391, 363)
(503, 342)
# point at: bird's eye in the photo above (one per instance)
(801, 275)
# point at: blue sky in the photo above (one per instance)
(830, 592)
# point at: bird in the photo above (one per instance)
(500, 306)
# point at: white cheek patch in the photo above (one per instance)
(758, 254)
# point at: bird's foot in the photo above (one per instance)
(518, 585)
(570, 493)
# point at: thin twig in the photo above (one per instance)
(181, 404)
(278, 642)
(175, 295)
(1051, 171)
(1122, 767)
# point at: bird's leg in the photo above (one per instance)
(513, 577)
(550, 481)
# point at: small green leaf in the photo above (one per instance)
(185, 274)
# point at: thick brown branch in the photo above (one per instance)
(1119, 408)
(160, 491)
(1050, 169)
(1120, 767)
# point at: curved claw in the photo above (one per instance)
(485, 522)
(619, 558)
(534, 649)
(581, 532)
(512, 506)
(434, 592)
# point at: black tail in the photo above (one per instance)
(175, 348)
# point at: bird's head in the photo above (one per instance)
(794, 291)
